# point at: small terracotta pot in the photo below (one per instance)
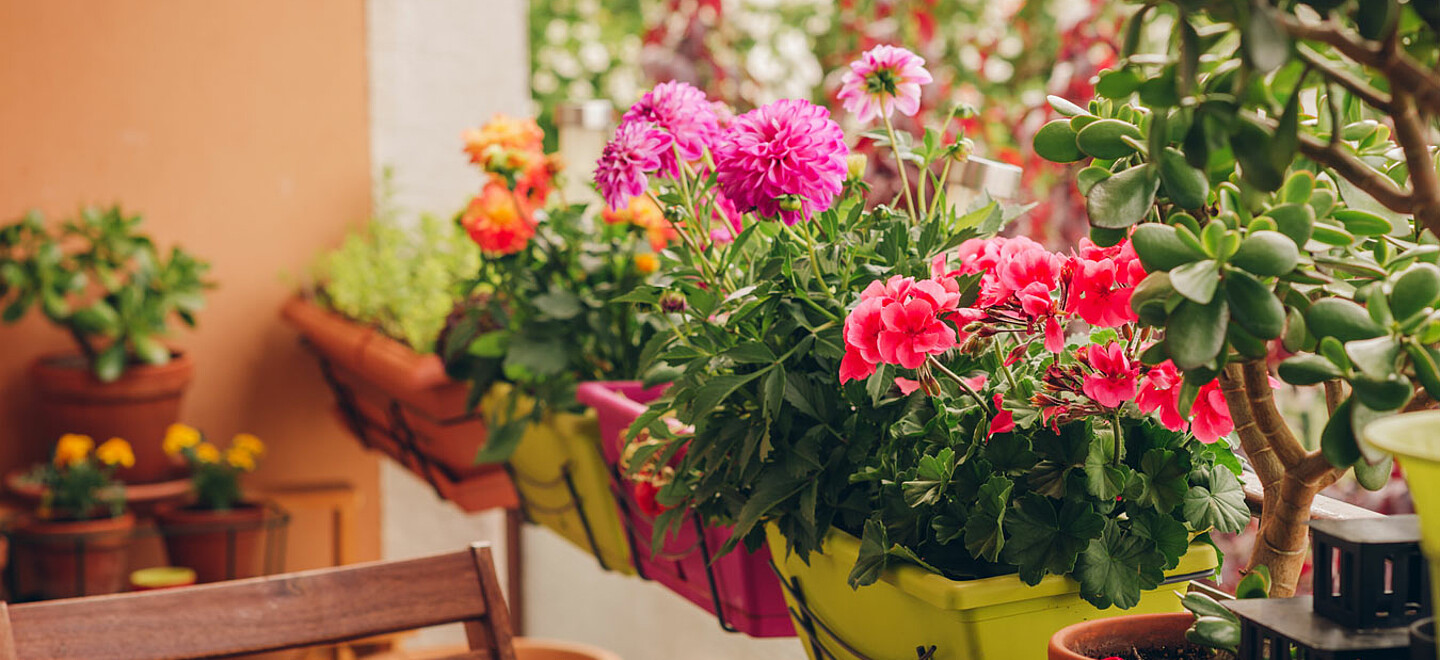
(138, 407)
(1102, 638)
(64, 559)
(544, 649)
(217, 545)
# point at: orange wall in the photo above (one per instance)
(239, 128)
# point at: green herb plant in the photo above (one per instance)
(102, 281)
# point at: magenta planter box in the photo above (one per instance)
(741, 585)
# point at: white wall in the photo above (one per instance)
(436, 68)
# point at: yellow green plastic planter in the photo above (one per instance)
(1414, 439)
(563, 482)
(998, 618)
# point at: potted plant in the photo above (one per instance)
(884, 464)
(220, 535)
(115, 293)
(77, 542)
(377, 306)
(545, 312)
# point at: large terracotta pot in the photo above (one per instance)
(64, 559)
(543, 649)
(217, 545)
(1160, 636)
(402, 403)
(138, 407)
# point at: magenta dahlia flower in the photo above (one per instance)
(685, 113)
(884, 79)
(786, 159)
(625, 165)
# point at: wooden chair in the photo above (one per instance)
(270, 614)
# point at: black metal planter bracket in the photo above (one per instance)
(809, 625)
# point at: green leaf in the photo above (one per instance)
(149, 350)
(1267, 254)
(1363, 223)
(1105, 139)
(1055, 142)
(1414, 289)
(750, 352)
(1215, 632)
(1294, 220)
(1162, 478)
(110, 363)
(716, 390)
(1376, 18)
(1197, 280)
(1254, 306)
(1117, 83)
(1160, 249)
(1117, 567)
(1086, 178)
(1065, 107)
(1103, 478)
(1337, 440)
(1341, 319)
(1219, 506)
(1265, 42)
(1123, 199)
(502, 441)
(559, 304)
(1201, 604)
(1194, 333)
(1188, 187)
(539, 357)
(770, 490)
(1308, 369)
(1043, 541)
(934, 473)
(1168, 534)
(1374, 476)
(871, 562)
(983, 536)
(1256, 584)
(97, 319)
(1252, 145)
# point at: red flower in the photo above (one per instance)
(1114, 380)
(1211, 414)
(1098, 293)
(1160, 391)
(497, 221)
(1004, 420)
(913, 331)
(644, 494)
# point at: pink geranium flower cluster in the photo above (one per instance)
(1028, 294)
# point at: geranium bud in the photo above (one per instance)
(672, 302)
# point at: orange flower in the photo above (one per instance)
(643, 212)
(501, 134)
(497, 221)
(646, 263)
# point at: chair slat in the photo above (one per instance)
(263, 614)
(7, 638)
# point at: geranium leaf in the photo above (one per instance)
(1219, 505)
(1043, 541)
(1168, 534)
(1115, 568)
(983, 532)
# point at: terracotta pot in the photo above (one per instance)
(402, 403)
(1153, 635)
(217, 545)
(138, 407)
(64, 559)
(544, 649)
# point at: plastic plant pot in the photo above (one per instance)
(561, 479)
(739, 588)
(910, 608)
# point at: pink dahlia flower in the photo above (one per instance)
(625, 165)
(685, 113)
(884, 79)
(788, 152)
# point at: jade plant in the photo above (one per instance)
(401, 277)
(1272, 167)
(101, 280)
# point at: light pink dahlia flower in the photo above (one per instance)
(682, 111)
(625, 165)
(785, 159)
(884, 79)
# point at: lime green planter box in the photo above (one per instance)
(998, 618)
(563, 483)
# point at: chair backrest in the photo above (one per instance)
(271, 613)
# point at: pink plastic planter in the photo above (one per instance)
(741, 584)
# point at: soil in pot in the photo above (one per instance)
(64, 559)
(138, 407)
(217, 545)
(1185, 652)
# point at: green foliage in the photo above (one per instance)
(1276, 217)
(102, 281)
(401, 278)
(1215, 625)
(549, 317)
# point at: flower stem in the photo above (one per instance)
(984, 405)
(899, 162)
(1119, 437)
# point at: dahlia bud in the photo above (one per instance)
(672, 302)
(960, 151)
(855, 165)
(789, 202)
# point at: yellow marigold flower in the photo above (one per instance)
(646, 263)
(207, 453)
(180, 437)
(248, 443)
(116, 451)
(73, 449)
(240, 459)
